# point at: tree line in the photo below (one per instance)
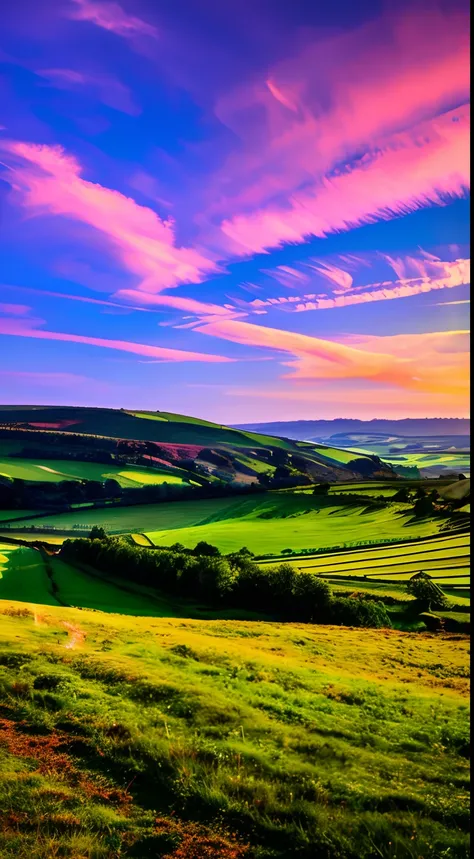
(233, 581)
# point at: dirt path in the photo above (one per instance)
(76, 635)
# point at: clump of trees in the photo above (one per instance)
(234, 580)
(427, 593)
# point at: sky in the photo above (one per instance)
(243, 211)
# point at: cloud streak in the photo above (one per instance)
(428, 362)
(432, 273)
(111, 17)
(50, 182)
(107, 88)
(427, 166)
(16, 328)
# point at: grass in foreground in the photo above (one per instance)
(176, 738)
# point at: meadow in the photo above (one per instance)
(266, 523)
(298, 522)
(182, 739)
(56, 470)
(446, 559)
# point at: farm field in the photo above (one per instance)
(56, 470)
(445, 559)
(431, 455)
(272, 526)
(30, 576)
(308, 740)
(266, 523)
(136, 518)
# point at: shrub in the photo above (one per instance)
(358, 612)
(203, 548)
(428, 594)
(311, 598)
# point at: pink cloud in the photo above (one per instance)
(108, 89)
(14, 309)
(63, 295)
(50, 182)
(188, 305)
(426, 166)
(426, 362)
(111, 16)
(22, 329)
(430, 273)
(355, 95)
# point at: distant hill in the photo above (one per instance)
(187, 448)
(325, 429)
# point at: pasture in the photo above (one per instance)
(56, 470)
(446, 559)
(29, 575)
(147, 737)
(297, 522)
(266, 523)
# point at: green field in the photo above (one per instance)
(55, 470)
(266, 523)
(189, 739)
(23, 575)
(137, 518)
(445, 559)
(269, 525)
(31, 576)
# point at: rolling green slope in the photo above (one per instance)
(237, 456)
(180, 739)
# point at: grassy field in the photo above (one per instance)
(265, 523)
(297, 522)
(177, 738)
(53, 471)
(31, 576)
(446, 559)
(138, 518)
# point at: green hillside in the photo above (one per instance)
(34, 438)
(188, 739)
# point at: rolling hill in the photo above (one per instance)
(160, 443)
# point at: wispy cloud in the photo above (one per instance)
(176, 302)
(417, 275)
(353, 127)
(17, 328)
(426, 166)
(111, 17)
(50, 181)
(107, 88)
(68, 296)
(425, 362)
(14, 309)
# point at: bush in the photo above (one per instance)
(97, 533)
(312, 598)
(358, 612)
(203, 548)
(428, 594)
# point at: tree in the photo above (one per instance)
(203, 548)
(98, 533)
(402, 495)
(427, 592)
(321, 489)
(112, 488)
(311, 597)
(423, 506)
